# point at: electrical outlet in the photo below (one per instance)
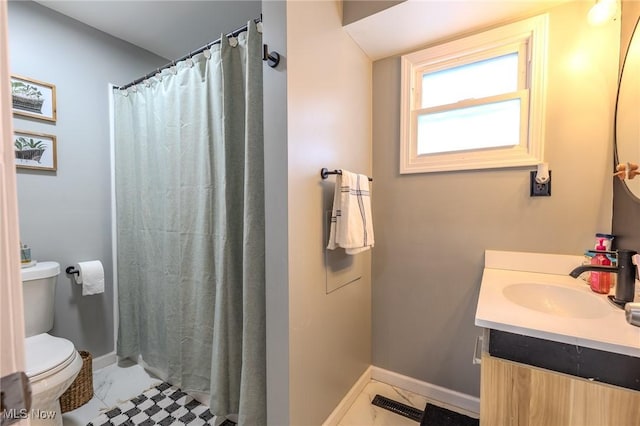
(540, 189)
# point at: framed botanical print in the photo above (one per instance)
(33, 98)
(35, 150)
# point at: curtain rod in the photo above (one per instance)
(233, 33)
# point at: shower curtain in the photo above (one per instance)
(190, 226)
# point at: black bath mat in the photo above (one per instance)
(162, 405)
(438, 416)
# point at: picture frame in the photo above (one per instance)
(33, 98)
(37, 151)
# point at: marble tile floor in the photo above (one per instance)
(112, 385)
(120, 382)
(363, 413)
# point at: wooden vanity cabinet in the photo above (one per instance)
(512, 393)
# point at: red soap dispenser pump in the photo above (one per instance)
(600, 282)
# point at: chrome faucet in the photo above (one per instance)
(626, 272)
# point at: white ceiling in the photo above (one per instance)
(170, 29)
(415, 23)
(173, 28)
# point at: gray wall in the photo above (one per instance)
(66, 215)
(626, 208)
(317, 114)
(328, 125)
(432, 229)
(274, 14)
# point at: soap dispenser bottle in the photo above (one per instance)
(600, 282)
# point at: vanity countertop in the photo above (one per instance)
(607, 331)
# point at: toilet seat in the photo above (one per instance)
(46, 355)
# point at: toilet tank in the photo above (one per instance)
(38, 286)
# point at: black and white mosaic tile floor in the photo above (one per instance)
(113, 385)
(125, 394)
(161, 405)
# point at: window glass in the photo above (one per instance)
(477, 127)
(470, 81)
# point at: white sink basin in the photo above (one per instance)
(561, 301)
(532, 294)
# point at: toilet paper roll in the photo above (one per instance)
(91, 277)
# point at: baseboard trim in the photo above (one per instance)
(104, 361)
(437, 393)
(338, 413)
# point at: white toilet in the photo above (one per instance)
(52, 362)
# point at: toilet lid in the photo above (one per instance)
(45, 352)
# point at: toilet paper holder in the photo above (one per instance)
(72, 271)
(90, 275)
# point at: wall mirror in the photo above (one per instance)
(627, 132)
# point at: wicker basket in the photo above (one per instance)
(81, 390)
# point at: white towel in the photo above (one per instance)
(351, 224)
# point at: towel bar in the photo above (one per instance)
(324, 173)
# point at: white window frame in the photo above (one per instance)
(529, 38)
